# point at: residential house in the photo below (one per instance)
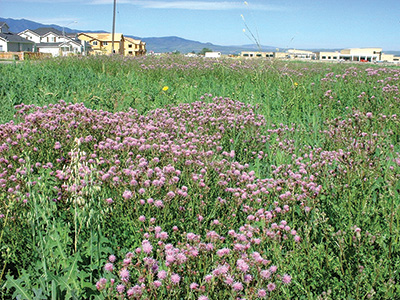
(134, 47)
(10, 42)
(101, 43)
(53, 41)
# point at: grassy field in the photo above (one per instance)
(185, 178)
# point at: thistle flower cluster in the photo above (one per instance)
(186, 179)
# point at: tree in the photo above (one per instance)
(204, 50)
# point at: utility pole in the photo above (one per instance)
(113, 29)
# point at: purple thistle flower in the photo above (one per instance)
(175, 278)
(286, 279)
(271, 286)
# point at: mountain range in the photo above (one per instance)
(160, 44)
(153, 44)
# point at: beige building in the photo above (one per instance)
(328, 56)
(134, 47)
(390, 58)
(300, 54)
(257, 54)
(281, 55)
(350, 54)
(361, 54)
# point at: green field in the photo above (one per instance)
(186, 178)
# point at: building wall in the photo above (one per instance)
(118, 47)
(134, 47)
(257, 54)
(212, 54)
(30, 36)
(361, 51)
(280, 55)
(49, 38)
(387, 57)
(71, 48)
(328, 56)
(3, 46)
(104, 46)
(19, 47)
(53, 51)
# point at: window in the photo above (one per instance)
(329, 57)
(105, 43)
(258, 55)
(130, 46)
(245, 54)
(335, 57)
(130, 52)
(94, 43)
(323, 57)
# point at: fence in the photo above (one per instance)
(23, 55)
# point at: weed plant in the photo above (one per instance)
(186, 178)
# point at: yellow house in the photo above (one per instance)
(134, 47)
(101, 43)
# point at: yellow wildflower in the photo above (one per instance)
(296, 84)
(165, 88)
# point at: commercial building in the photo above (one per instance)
(361, 54)
(259, 54)
(328, 55)
(350, 54)
(300, 54)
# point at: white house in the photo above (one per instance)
(53, 41)
(10, 42)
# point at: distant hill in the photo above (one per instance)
(160, 44)
(174, 43)
(154, 44)
(17, 26)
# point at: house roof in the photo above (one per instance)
(133, 41)
(57, 45)
(45, 30)
(70, 42)
(15, 38)
(105, 37)
(26, 30)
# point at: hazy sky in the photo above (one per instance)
(280, 23)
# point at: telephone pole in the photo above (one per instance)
(113, 29)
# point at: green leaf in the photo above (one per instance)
(21, 292)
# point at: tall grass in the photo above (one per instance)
(243, 179)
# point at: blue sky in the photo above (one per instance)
(303, 24)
